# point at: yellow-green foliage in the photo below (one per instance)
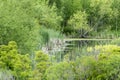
(104, 66)
(11, 60)
(41, 64)
(107, 49)
(60, 71)
(20, 65)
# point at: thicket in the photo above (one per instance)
(101, 15)
(22, 67)
(24, 21)
(26, 26)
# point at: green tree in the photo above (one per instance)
(20, 21)
(101, 14)
(17, 25)
(79, 23)
(46, 15)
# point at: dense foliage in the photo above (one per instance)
(19, 65)
(100, 13)
(21, 21)
(32, 44)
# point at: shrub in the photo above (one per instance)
(104, 66)
(11, 60)
(41, 64)
(60, 71)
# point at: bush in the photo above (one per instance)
(22, 67)
(104, 66)
(60, 71)
(41, 64)
(11, 60)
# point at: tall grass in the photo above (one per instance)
(6, 75)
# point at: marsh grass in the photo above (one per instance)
(6, 75)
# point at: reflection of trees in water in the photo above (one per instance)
(73, 46)
(54, 45)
